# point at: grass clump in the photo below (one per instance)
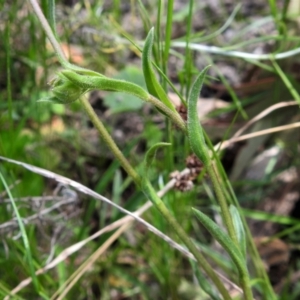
(134, 172)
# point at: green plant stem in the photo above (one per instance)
(48, 31)
(51, 16)
(231, 198)
(101, 82)
(165, 54)
(60, 55)
(188, 56)
(109, 141)
(196, 137)
(158, 26)
(226, 216)
(174, 116)
(286, 81)
(151, 194)
(28, 254)
(217, 184)
(8, 76)
(168, 33)
(259, 267)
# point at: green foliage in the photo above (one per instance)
(239, 229)
(195, 131)
(153, 85)
(100, 82)
(24, 123)
(28, 254)
(224, 240)
(149, 157)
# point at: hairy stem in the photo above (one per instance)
(109, 141)
(174, 116)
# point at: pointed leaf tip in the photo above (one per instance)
(195, 131)
(153, 86)
(150, 155)
(223, 239)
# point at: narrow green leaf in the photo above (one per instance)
(116, 102)
(195, 131)
(223, 239)
(150, 155)
(152, 83)
(51, 16)
(106, 84)
(28, 253)
(239, 229)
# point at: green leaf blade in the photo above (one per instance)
(223, 239)
(152, 83)
(195, 131)
(239, 229)
(106, 84)
(150, 155)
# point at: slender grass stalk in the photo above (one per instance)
(8, 74)
(286, 81)
(109, 141)
(168, 35)
(117, 10)
(231, 91)
(28, 253)
(274, 11)
(51, 16)
(286, 4)
(175, 117)
(217, 184)
(4, 291)
(188, 54)
(159, 57)
(51, 36)
(221, 29)
(145, 16)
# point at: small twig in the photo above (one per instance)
(14, 222)
(239, 54)
(263, 114)
(225, 144)
(35, 199)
